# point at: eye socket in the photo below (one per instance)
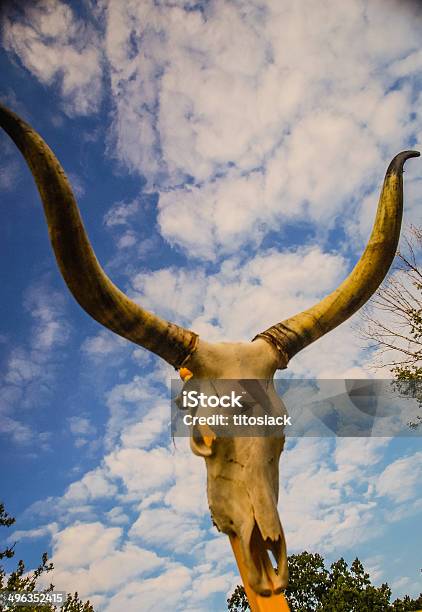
(200, 446)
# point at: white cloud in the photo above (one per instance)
(55, 46)
(140, 471)
(127, 240)
(93, 485)
(352, 454)
(178, 292)
(268, 118)
(403, 511)
(144, 433)
(329, 507)
(165, 528)
(158, 594)
(129, 402)
(20, 433)
(30, 367)
(81, 426)
(242, 298)
(116, 516)
(121, 213)
(187, 494)
(33, 534)
(217, 550)
(373, 565)
(401, 582)
(8, 175)
(207, 583)
(104, 343)
(88, 558)
(400, 479)
(141, 356)
(46, 307)
(80, 544)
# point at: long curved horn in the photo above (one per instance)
(293, 334)
(77, 261)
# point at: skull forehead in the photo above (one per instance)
(225, 360)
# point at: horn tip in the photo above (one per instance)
(397, 163)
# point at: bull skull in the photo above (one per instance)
(242, 472)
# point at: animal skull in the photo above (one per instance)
(242, 472)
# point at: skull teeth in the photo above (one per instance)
(263, 577)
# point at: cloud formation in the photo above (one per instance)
(251, 117)
(57, 48)
(251, 120)
(30, 366)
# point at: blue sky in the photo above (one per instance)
(227, 158)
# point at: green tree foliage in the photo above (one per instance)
(351, 589)
(308, 581)
(314, 588)
(238, 601)
(21, 580)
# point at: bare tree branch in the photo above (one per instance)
(392, 320)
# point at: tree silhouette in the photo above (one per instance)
(314, 588)
(19, 580)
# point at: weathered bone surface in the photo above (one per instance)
(242, 473)
(242, 485)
